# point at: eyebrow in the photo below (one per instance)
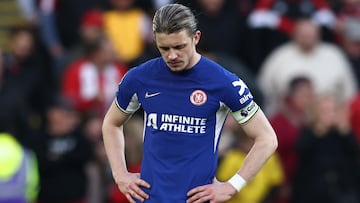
(179, 46)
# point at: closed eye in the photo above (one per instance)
(177, 47)
(180, 46)
(164, 48)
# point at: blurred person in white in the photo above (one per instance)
(306, 55)
(271, 23)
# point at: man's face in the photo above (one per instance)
(306, 35)
(22, 44)
(178, 49)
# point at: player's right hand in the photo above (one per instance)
(130, 185)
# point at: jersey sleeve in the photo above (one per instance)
(238, 98)
(126, 96)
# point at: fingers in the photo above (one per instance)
(129, 198)
(138, 193)
(199, 195)
(195, 190)
(140, 196)
(143, 183)
(134, 190)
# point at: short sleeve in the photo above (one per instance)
(239, 99)
(126, 96)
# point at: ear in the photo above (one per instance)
(197, 36)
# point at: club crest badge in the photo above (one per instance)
(198, 97)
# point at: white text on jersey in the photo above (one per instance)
(177, 123)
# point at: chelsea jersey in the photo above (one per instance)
(184, 117)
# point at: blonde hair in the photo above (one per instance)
(173, 18)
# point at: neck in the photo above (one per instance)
(194, 60)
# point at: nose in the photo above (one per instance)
(172, 54)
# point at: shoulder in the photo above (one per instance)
(330, 48)
(215, 71)
(283, 49)
(334, 56)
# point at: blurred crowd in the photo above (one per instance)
(61, 62)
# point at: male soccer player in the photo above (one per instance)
(186, 98)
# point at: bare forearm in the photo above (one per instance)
(261, 151)
(114, 146)
(259, 129)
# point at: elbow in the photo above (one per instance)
(273, 142)
(270, 142)
(276, 143)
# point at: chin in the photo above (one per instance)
(177, 68)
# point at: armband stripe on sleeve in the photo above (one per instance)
(246, 113)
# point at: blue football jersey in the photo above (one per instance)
(184, 117)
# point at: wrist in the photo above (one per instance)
(237, 182)
(120, 175)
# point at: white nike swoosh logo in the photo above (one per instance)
(147, 95)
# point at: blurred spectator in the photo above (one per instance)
(63, 153)
(351, 44)
(129, 29)
(14, 13)
(272, 23)
(13, 108)
(91, 29)
(24, 68)
(324, 64)
(287, 122)
(329, 157)
(216, 19)
(92, 81)
(19, 175)
(59, 25)
(263, 188)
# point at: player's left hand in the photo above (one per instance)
(214, 193)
